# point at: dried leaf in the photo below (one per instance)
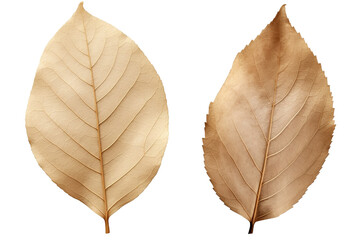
(97, 117)
(269, 129)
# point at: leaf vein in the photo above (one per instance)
(237, 167)
(131, 122)
(56, 124)
(67, 67)
(63, 149)
(120, 101)
(302, 150)
(247, 150)
(226, 184)
(296, 114)
(70, 87)
(292, 85)
(67, 105)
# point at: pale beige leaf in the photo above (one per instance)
(269, 129)
(97, 117)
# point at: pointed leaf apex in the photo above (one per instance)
(282, 12)
(281, 16)
(81, 7)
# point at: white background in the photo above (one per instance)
(192, 45)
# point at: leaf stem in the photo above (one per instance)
(251, 229)
(107, 228)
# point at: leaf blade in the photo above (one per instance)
(97, 104)
(277, 66)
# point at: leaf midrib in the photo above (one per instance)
(268, 141)
(106, 217)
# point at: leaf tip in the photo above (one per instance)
(281, 16)
(282, 12)
(80, 7)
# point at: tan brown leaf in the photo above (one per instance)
(269, 129)
(97, 117)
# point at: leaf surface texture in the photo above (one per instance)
(269, 129)
(97, 117)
